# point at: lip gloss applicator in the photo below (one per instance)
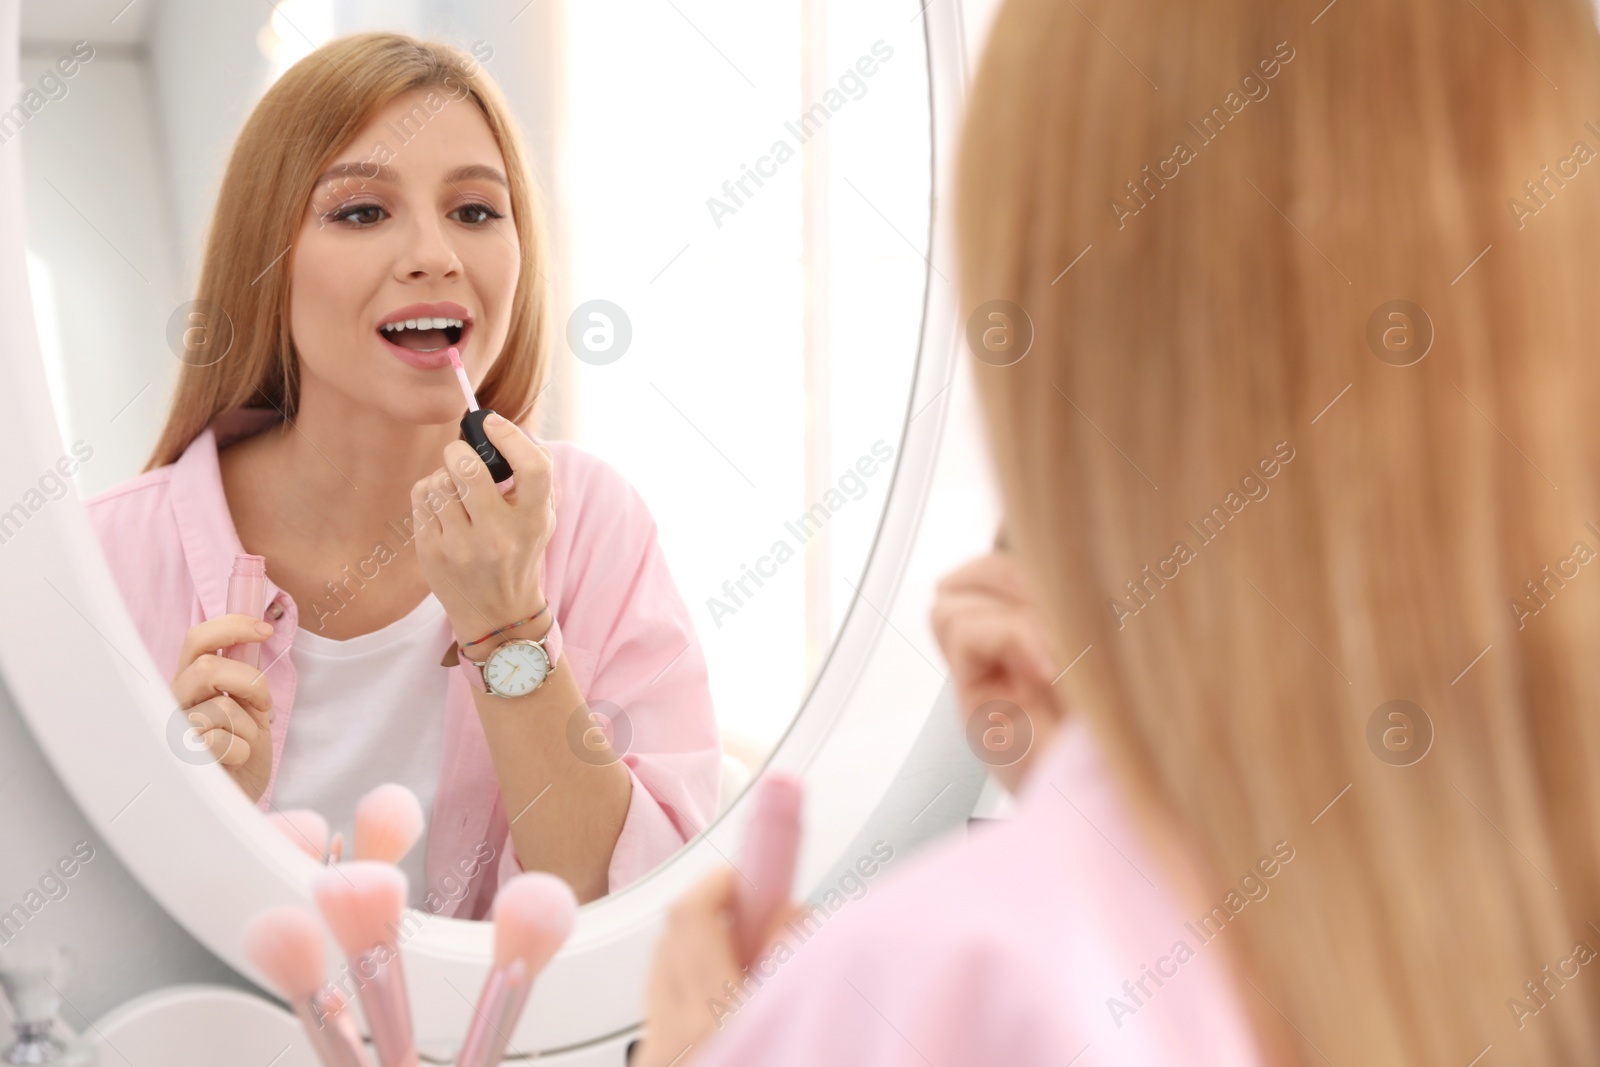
(472, 425)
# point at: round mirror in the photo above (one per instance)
(746, 346)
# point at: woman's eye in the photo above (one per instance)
(476, 214)
(360, 215)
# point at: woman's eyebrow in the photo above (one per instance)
(477, 170)
(379, 172)
(367, 172)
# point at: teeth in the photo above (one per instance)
(422, 324)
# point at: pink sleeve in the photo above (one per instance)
(633, 648)
(867, 1004)
(648, 837)
(650, 679)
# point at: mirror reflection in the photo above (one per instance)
(497, 403)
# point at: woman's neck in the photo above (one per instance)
(318, 497)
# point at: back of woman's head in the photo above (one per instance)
(1306, 428)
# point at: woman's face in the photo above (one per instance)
(411, 221)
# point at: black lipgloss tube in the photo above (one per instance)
(472, 433)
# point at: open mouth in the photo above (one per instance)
(424, 335)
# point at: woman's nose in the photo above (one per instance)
(428, 251)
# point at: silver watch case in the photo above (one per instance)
(509, 666)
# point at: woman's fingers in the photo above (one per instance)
(980, 637)
(466, 479)
(212, 675)
(452, 511)
(706, 901)
(997, 574)
(228, 730)
(529, 460)
(779, 923)
(694, 962)
(224, 631)
(435, 509)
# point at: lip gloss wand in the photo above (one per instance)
(472, 426)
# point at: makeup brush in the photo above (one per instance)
(307, 829)
(361, 902)
(533, 914)
(388, 822)
(767, 859)
(286, 943)
(472, 424)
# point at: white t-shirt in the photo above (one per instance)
(367, 711)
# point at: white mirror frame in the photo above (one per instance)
(97, 705)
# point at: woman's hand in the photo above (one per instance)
(479, 549)
(228, 701)
(991, 633)
(694, 961)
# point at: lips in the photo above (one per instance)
(420, 334)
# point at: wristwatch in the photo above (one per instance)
(516, 668)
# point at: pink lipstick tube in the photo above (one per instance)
(247, 595)
(767, 860)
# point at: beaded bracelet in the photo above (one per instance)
(503, 629)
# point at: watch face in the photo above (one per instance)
(516, 669)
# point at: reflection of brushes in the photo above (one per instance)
(472, 425)
(286, 943)
(307, 829)
(533, 914)
(388, 822)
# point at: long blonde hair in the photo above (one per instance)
(1230, 277)
(306, 118)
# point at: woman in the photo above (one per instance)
(1306, 431)
(377, 209)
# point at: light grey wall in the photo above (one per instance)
(207, 72)
(122, 941)
(95, 193)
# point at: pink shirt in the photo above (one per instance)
(1007, 946)
(623, 628)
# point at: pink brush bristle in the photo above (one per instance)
(388, 822)
(307, 829)
(361, 901)
(533, 914)
(286, 943)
